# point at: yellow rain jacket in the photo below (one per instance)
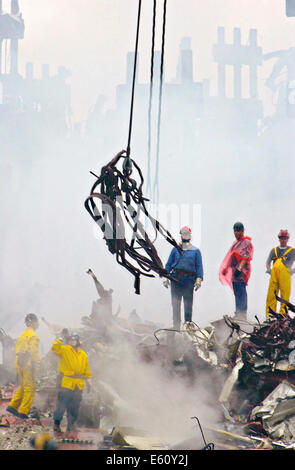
(280, 280)
(74, 365)
(27, 348)
(27, 356)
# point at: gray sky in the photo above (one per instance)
(92, 37)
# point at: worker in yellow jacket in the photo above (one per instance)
(74, 365)
(282, 257)
(26, 361)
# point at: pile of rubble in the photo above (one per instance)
(18, 436)
(255, 367)
(259, 393)
(251, 369)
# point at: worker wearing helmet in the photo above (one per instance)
(187, 269)
(282, 258)
(26, 360)
(73, 362)
(235, 269)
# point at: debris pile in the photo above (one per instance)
(17, 436)
(259, 393)
(251, 369)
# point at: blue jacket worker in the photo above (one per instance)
(187, 269)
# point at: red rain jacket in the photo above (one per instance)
(241, 249)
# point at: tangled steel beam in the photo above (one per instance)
(117, 191)
(271, 339)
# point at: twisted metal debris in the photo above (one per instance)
(117, 191)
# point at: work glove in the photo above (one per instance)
(198, 284)
(166, 283)
(268, 271)
(237, 273)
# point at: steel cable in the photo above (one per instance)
(133, 84)
(150, 100)
(156, 182)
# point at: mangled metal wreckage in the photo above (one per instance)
(251, 369)
(260, 391)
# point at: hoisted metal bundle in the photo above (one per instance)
(117, 191)
(122, 195)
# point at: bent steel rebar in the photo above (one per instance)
(121, 198)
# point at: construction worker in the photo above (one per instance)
(26, 361)
(75, 368)
(282, 257)
(187, 269)
(235, 269)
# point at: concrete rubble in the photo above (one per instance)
(251, 368)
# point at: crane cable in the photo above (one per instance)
(156, 181)
(127, 163)
(148, 188)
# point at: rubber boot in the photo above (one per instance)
(12, 410)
